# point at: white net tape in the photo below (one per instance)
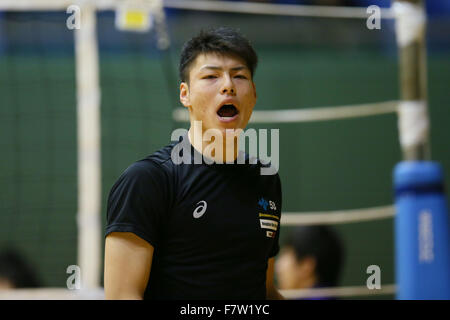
(310, 114)
(66, 294)
(338, 292)
(219, 6)
(52, 294)
(336, 217)
(276, 9)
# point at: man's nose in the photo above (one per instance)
(228, 86)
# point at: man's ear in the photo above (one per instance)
(184, 94)
(254, 90)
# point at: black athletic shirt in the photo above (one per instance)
(212, 226)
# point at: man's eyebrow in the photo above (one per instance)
(220, 68)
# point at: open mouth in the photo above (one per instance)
(227, 111)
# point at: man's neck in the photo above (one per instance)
(222, 151)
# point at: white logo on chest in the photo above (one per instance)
(200, 210)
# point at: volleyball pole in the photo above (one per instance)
(422, 242)
(89, 149)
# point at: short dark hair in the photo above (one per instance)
(323, 244)
(222, 40)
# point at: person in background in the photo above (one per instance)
(15, 271)
(312, 257)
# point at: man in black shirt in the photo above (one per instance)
(198, 230)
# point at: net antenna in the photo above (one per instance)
(143, 16)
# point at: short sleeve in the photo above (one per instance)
(137, 202)
(276, 243)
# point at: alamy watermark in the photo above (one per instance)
(218, 141)
(374, 20)
(374, 280)
(74, 20)
(74, 280)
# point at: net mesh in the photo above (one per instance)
(38, 141)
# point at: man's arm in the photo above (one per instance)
(128, 260)
(271, 292)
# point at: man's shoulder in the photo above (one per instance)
(155, 163)
(163, 155)
(265, 168)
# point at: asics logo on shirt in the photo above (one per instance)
(200, 210)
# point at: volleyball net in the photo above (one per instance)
(79, 105)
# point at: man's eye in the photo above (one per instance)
(210, 77)
(240, 76)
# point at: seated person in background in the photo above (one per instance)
(15, 272)
(312, 257)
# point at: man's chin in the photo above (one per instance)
(231, 130)
(220, 128)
